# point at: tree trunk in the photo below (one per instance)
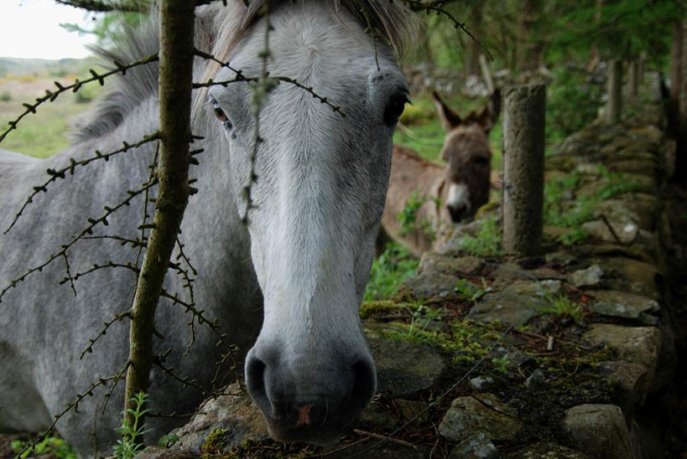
(681, 122)
(633, 79)
(473, 52)
(615, 92)
(176, 61)
(529, 48)
(523, 145)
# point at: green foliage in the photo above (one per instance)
(573, 101)
(561, 305)
(421, 316)
(86, 93)
(622, 28)
(389, 271)
(561, 210)
(487, 243)
(468, 291)
(168, 440)
(132, 433)
(408, 217)
(49, 446)
(214, 443)
(501, 363)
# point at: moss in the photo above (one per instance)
(214, 443)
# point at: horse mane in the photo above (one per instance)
(218, 29)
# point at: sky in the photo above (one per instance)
(31, 29)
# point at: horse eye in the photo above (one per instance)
(220, 115)
(394, 109)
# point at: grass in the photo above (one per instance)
(389, 271)
(563, 211)
(561, 305)
(487, 243)
(44, 133)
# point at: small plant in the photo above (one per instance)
(168, 440)
(468, 291)
(575, 236)
(5, 96)
(49, 446)
(132, 433)
(408, 216)
(389, 271)
(501, 363)
(214, 443)
(487, 243)
(421, 316)
(563, 306)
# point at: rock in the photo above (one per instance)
(630, 381)
(517, 303)
(631, 275)
(405, 368)
(482, 383)
(639, 345)
(232, 411)
(624, 305)
(505, 307)
(599, 430)
(547, 451)
(638, 208)
(467, 416)
(412, 410)
(537, 380)
(589, 277)
(626, 232)
(477, 446)
(437, 275)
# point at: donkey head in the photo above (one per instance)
(468, 157)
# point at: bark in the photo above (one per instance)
(472, 63)
(529, 48)
(633, 79)
(681, 84)
(615, 92)
(523, 143)
(176, 60)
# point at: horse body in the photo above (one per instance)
(298, 267)
(425, 200)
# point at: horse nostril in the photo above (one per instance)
(255, 377)
(364, 383)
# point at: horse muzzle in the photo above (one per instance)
(312, 400)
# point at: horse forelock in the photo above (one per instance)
(218, 30)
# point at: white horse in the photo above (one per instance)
(293, 276)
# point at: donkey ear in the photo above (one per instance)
(449, 119)
(494, 105)
(487, 118)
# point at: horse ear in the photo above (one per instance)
(449, 119)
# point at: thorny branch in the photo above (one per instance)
(56, 174)
(92, 223)
(50, 96)
(263, 78)
(437, 7)
(73, 405)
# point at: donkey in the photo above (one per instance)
(282, 275)
(425, 200)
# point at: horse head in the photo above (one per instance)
(310, 183)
